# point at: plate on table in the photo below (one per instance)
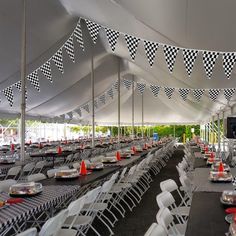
(108, 160)
(216, 165)
(95, 166)
(220, 176)
(67, 174)
(228, 197)
(25, 189)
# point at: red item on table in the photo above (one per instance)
(83, 169)
(206, 149)
(14, 200)
(212, 156)
(12, 147)
(118, 158)
(221, 167)
(59, 150)
(230, 210)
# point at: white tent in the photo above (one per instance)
(204, 25)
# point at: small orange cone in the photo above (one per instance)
(83, 170)
(59, 150)
(12, 147)
(118, 158)
(221, 167)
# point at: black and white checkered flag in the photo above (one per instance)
(78, 35)
(141, 87)
(110, 93)
(189, 56)
(58, 60)
(155, 89)
(78, 111)
(229, 59)
(70, 115)
(169, 91)
(102, 99)
(95, 103)
(209, 60)
(229, 93)
(132, 44)
(115, 86)
(34, 79)
(234, 181)
(213, 94)
(150, 49)
(8, 92)
(170, 56)
(197, 93)
(183, 92)
(127, 83)
(69, 46)
(93, 29)
(18, 86)
(112, 37)
(46, 70)
(86, 107)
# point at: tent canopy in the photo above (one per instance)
(193, 24)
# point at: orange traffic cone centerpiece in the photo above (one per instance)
(118, 158)
(12, 147)
(221, 167)
(83, 169)
(59, 150)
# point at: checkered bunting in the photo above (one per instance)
(102, 99)
(112, 37)
(228, 93)
(209, 60)
(34, 79)
(70, 115)
(189, 59)
(93, 29)
(78, 35)
(150, 49)
(170, 56)
(115, 85)
(132, 44)
(78, 111)
(213, 94)
(197, 93)
(155, 89)
(46, 70)
(58, 60)
(169, 92)
(183, 92)
(8, 92)
(127, 83)
(18, 86)
(86, 107)
(110, 93)
(69, 46)
(141, 87)
(95, 103)
(229, 60)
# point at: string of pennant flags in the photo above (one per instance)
(170, 52)
(212, 93)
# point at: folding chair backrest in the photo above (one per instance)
(122, 175)
(75, 207)
(39, 166)
(164, 218)
(168, 185)
(14, 171)
(51, 172)
(28, 232)
(36, 177)
(29, 167)
(92, 195)
(155, 230)
(165, 199)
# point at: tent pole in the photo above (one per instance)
(23, 80)
(92, 96)
(223, 114)
(133, 108)
(218, 130)
(142, 115)
(212, 130)
(118, 101)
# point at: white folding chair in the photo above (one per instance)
(5, 184)
(38, 167)
(36, 177)
(155, 230)
(28, 232)
(13, 172)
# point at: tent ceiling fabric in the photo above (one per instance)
(171, 22)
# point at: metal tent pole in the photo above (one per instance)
(92, 96)
(218, 130)
(133, 108)
(23, 80)
(223, 117)
(212, 130)
(118, 101)
(142, 114)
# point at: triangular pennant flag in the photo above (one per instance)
(78, 35)
(70, 115)
(132, 44)
(150, 49)
(112, 37)
(115, 85)
(209, 60)
(141, 87)
(213, 94)
(58, 60)
(229, 59)
(86, 107)
(102, 99)
(183, 92)
(229, 93)
(8, 92)
(189, 56)
(34, 79)
(110, 93)
(170, 56)
(197, 93)
(69, 46)
(93, 29)
(169, 91)
(155, 89)
(96, 103)
(46, 70)
(78, 111)
(127, 83)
